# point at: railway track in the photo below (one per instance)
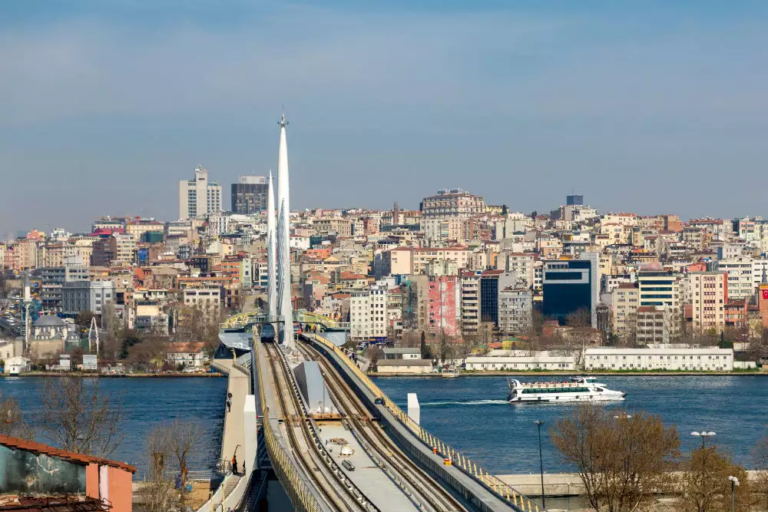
(335, 488)
(428, 493)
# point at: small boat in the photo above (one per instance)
(577, 389)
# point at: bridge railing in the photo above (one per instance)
(458, 459)
(297, 490)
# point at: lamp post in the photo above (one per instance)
(734, 483)
(539, 423)
(703, 435)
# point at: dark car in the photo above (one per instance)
(267, 333)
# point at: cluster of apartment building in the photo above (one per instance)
(455, 268)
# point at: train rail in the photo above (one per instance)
(417, 483)
(336, 489)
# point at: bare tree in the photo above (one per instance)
(148, 353)
(704, 485)
(12, 421)
(83, 319)
(80, 417)
(621, 459)
(579, 318)
(373, 355)
(183, 441)
(168, 448)
(158, 493)
(760, 461)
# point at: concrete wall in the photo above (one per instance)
(26, 472)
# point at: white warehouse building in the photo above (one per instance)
(691, 359)
(521, 363)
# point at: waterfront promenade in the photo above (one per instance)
(233, 438)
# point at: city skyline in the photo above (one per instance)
(623, 104)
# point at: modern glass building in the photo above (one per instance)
(249, 195)
(571, 285)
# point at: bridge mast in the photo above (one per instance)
(285, 307)
(271, 252)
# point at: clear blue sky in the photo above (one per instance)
(646, 106)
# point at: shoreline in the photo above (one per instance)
(174, 375)
(497, 373)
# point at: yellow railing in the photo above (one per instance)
(297, 490)
(459, 460)
(239, 320)
(306, 316)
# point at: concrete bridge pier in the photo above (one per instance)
(414, 409)
(250, 430)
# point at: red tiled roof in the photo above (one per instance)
(16, 443)
(191, 347)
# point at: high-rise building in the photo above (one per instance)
(659, 311)
(470, 302)
(571, 285)
(441, 295)
(199, 197)
(574, 200)
(249, 195)
(491, 284)
(515, 310)
(368, 314)
(709, 294)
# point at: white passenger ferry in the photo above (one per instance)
(577, 389)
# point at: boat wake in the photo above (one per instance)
(464, 402)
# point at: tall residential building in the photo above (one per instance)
(626, 301)
(470, 302)
(368, 314)
(249, 195)
(709, 293)
(198, 197)
(661, 289)
(740, 285)
(571, 285)
(515, 310)
(442, 297)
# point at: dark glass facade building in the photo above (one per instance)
(569, 286)
(249, 195)
(489, 299)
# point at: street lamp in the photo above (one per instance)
(734, 483)
(703, 435)
(539, 423)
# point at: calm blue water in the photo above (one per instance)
(470, 414)
(147, 403)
